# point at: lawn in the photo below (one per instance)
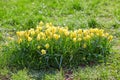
(17, 15)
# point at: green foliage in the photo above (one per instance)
(5, 55)
(57, 76)
(1, 36)
(4, 71)
(50, 46)
(20, 75)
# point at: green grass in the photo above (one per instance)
(23, 14)
(18, 15)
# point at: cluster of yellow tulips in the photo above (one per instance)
(49, 33)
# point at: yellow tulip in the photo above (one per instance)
(74, 39)
(56, 36)
(91, 34)
(47, 46)
(41, 23)
(84, 45)
(66, 33)
(29, 38)
(110, 37)
(38, 37)
(106, 34)
(79, 39)
(38, 47)
(20, 33)
(73, 35)
(43, 51)
(87, 37)
(79, 31)
(19, 40)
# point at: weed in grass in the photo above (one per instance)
(4, 74)
(21, 75)
(92, 23)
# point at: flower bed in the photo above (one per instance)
(49, 45)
